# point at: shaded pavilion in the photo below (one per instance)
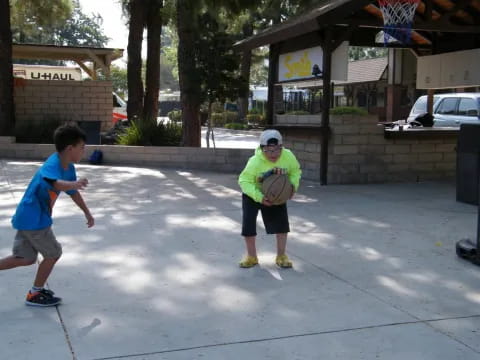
(439, 26)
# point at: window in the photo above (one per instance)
(467, 107)
(420, 106)
(447, 106)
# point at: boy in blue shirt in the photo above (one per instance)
(33, 217)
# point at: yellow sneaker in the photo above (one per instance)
(283, 261)
(248, 261)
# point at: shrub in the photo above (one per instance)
(256, 119)
(231, 116)
(348, 110)
(217, 107)
(151, 134)
(175, 115)
(32, 132)
(236, 126)
(219, 119)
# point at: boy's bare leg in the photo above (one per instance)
(250, 242)
(43, 272)
(11, 262)
(281, 243)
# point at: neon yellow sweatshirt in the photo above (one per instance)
(249, 179)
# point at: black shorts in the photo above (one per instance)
(275, 218)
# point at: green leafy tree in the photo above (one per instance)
(188, 30)
(78, 29)
(38, 18)
(169, 59)
(217, 64)
(362, 53)
(263, 15)
(118, 76)
(36, 15)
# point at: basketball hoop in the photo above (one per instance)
(397, 19)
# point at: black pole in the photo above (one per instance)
(272, 79)
(478, 209)
(327, 93)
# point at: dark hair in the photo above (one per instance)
(68, 134)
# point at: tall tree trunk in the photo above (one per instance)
(152, 78)
(187, 73)
(245, 66)
(134, 65)
(7, 112)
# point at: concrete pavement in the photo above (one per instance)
(375, 273)
(232, 139)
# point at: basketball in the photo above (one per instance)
(277, 189)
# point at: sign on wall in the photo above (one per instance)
(44, 72)
(308, 64)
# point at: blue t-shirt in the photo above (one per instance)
(35, 209)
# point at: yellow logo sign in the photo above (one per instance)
(301, 68)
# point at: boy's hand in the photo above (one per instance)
(80, 184)
(266, 202)
(90, 220)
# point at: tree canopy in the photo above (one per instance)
(69, 27)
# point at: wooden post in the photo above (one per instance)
(430, 93)
(272, 79)
(327, 93)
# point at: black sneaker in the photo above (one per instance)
(43, 297)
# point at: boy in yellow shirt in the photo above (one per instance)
(269, 157)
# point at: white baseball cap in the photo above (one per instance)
(268, 135)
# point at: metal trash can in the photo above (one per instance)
(92, 129)
(468, 163)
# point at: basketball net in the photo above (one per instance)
(397, 19)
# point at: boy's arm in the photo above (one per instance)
(295, 173)
(78, 199)
(247, 181)
(63, 185)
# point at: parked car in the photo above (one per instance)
(450, 110)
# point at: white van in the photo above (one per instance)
(450, 110)
(119, 108)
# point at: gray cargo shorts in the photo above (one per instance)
(28, 243)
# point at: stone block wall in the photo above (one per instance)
(298, 119)
(360, 153)
(218, 160)
(305, 144)
(41, 100)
